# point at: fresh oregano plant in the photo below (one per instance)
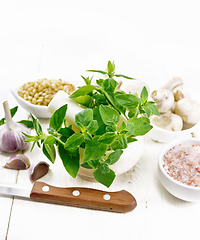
(110, 119)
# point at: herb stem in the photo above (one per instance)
(60, 141)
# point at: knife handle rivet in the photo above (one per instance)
(45, 189)
(106, 197)
(76, 193)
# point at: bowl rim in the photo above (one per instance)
(160, 161)
(173, 132)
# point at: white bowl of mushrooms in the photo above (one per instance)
(179, 114)
(35, 96)
(179, 169)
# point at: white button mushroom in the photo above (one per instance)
(174, 84)
(164, 99)
(168, 121)
(188, 109)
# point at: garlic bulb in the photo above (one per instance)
(38, 170)
(11, 136)
(18, 162)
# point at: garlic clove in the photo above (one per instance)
(18, 162)
(38, 170)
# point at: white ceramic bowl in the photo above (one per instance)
(128, 159)
(176, 188)
(162, 135)
(36, 110)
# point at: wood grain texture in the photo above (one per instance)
(149, 40)
(121, 201)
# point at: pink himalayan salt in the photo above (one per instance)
(182, 163)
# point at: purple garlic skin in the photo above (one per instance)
(12, 140)
(38, 170)
(18, 162)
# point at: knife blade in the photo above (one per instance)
(120, 201)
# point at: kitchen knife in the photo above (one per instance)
(121, 201)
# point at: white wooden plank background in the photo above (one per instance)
(150, 40)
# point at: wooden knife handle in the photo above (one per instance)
(121, 201)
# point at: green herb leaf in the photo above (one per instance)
(13, 111)
(111, 66)
(50, 140)
(49, 152)
(80, 126)
(66, 133)
(130, 128)
(36, 124)
(112, 128)
(99, 82)
(87, 80)
(133, 113)
(116, 145)
(144, 94)
(123, 140)
(109, 85)
(104, 168)
(104, 178)
(83, 91)
(114, 156)
(92, 127)
(147, 110)
(93, 163)
(97, 71)
(99, 99)
(74, 141)
(70, 160)
(86, 165)
(122, 127)
(2, 121)
(111, 97)
(153, 108)
(87, 136)
(128, 100)
(27, 123)
(97, 116)
(58, 117)
(94, 149)
(107, 138)
(121, 75)
(30, 138)
(131, 139)
(142, 125)
(86, 101)
(109, 115)
(84, 117)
